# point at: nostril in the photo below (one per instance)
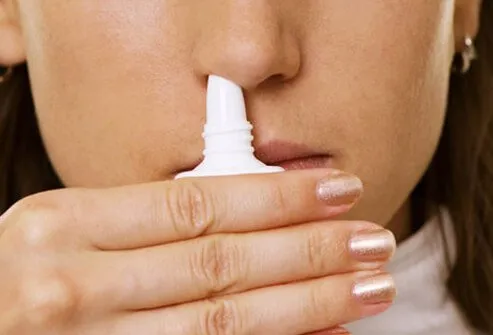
(276, 79)
(273, 82)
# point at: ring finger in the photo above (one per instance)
(292, 309)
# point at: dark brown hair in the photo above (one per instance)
(460, 176)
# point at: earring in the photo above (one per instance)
(463, 60)
(6, 74)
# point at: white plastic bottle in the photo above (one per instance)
(227, 134)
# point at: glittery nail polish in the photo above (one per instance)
(375, 290)
(374, 245)
(339, 189)
(333, 331)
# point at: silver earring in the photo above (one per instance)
(6, 74)
(464, 59)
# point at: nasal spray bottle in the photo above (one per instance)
(227, 134)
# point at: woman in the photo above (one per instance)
(110, 107)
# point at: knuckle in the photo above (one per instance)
(189, 208)
(48, 302)
(222, 317)
(38, 223)
(279, 199)
(316, 250)
(320, 304)
(218, 264)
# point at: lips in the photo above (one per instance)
(292, 156)
(288, 155)
(316, 162)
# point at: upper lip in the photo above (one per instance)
(276, 152)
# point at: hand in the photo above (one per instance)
(229, 255)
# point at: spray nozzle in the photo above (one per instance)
(227, 134)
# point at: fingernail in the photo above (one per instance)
(375, 290)
(333, 331)
(339, 189)
(337, 331)
(374, 245)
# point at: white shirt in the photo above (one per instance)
(422, 305)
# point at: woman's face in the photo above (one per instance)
(119, 85)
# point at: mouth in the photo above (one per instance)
(293, 156)
(288, 155)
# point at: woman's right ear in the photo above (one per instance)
(12, 49)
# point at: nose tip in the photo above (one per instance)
(250, 63)
(248, 51)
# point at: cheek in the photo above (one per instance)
(389, 85)
(109, 89)
(411, 126)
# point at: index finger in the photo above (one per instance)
(156, 213)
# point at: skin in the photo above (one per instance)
(122, 101)
(119, 91)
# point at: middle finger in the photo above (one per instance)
(223, 264)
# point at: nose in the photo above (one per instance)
(248, 42)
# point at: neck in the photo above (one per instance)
(401, 223)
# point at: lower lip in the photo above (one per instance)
(315, 162)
